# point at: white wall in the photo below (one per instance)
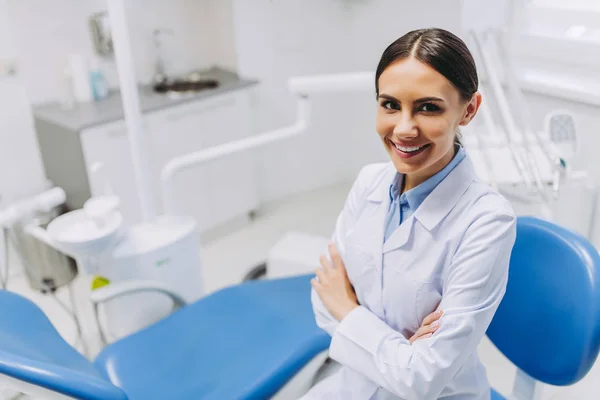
(298, 37)
(21, 172)
(46, 32)
(39, 34)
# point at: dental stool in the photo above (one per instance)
(548, 323)
(242, 342)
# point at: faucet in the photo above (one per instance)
(160, 75)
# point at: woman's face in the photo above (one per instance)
(418, 116)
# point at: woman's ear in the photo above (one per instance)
(471, 110)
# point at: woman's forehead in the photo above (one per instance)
(411, 78)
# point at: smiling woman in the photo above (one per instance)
(420, 252)
(426, 84)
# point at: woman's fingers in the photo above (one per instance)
(425, 331)
(419, 334)
(414, 339)
(336, 259)
(325, 263)
(434, 316)
(321, 275)
(316, 285)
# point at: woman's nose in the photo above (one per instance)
(405, 127)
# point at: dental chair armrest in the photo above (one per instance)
(118, 289)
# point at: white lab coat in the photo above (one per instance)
(455, 248)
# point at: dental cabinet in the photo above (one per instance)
(86, 150)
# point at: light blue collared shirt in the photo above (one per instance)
(405, 205)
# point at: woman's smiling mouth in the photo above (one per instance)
(408, 151)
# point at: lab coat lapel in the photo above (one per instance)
(400, 236)
(445, 196)
(436, 206)
(373, 227)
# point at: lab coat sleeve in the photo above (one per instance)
(344, 222)
(473, 288)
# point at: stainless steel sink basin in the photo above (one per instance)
(182, 86)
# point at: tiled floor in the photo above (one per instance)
(227, 258)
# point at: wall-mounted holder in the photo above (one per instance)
(101, 34)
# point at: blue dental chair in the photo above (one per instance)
(243, 342)
(548, 323)
(247, 341)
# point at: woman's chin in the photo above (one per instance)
(405, 169)
(408, 167)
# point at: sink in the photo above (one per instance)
(182, 86)
(188, 84)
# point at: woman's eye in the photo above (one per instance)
(429, 107)
(390, 105)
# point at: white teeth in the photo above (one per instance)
(408, 149)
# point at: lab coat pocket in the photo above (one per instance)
(428, 298)
(359, 263)
(402, 292)
(409, 300)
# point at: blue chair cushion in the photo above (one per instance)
(32, 351)
(496, 395)
(241, 342)
(553, 288)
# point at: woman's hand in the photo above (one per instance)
(334, 287)
(430, 324)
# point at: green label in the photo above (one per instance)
(162, 262)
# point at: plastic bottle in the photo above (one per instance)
(98, 82)
(80, 78)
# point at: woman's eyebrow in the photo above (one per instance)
(388, 97)
(421, 100)
(430, 98)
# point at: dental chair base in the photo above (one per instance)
(166, 252)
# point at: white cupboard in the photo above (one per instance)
(213, 193)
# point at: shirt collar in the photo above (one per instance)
(439, 203)
(415, 196)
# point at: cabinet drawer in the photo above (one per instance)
(182, 113)
(191, 110)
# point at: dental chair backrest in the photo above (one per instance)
(548, 323)
(33, 355)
